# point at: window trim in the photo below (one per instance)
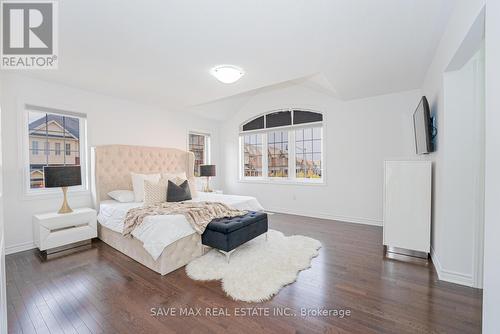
(291, 179)
(208, 145)
(24, 153)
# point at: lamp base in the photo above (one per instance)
(207, 189)
(65, 206)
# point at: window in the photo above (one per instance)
(280, 118)
(199, 144)
(294, 143)
(34, 147)
(308, 153)
(53, 130)
(255, 124)
(252, 155)
(277, 154)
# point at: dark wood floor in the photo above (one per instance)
(102, 291)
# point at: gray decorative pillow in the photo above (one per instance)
(178, 193)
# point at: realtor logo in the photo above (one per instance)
(29, 35)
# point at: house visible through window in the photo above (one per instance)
(252, 155)
(277, 153)
(199, 144)
(53, 131)
(294, 143)
(308, 153)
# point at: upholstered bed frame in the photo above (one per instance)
(111, 166)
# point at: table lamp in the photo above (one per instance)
(62, 176)
(208, 171)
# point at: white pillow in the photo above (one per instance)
(175, 177)
(123, 196)
(138, 184)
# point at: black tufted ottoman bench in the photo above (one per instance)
(226, 234)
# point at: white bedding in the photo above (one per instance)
(157, 232)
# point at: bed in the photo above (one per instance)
(161, 243)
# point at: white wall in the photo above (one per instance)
(462, 142)
(451, 244)
(3, 289)
(109, 121)
(358, 134)
(491, 293)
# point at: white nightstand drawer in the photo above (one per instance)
(53, 230)
(55, 221)
(53, 239)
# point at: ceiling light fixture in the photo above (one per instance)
(227, 73)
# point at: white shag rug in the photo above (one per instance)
(257, 269)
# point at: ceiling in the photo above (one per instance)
(161, 52)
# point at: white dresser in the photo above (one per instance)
(54, 232)
(407, 207)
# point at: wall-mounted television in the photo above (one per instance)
(423, 127)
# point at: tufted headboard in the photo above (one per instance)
(111, 166)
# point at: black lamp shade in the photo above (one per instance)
(207, 170)
(62, 176)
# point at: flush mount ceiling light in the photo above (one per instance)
(227, 73)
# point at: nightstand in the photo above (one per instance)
(55, 233)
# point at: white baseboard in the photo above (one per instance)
(449, 275)
(357, 220)
(19, 247)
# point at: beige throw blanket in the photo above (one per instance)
(198, 214)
